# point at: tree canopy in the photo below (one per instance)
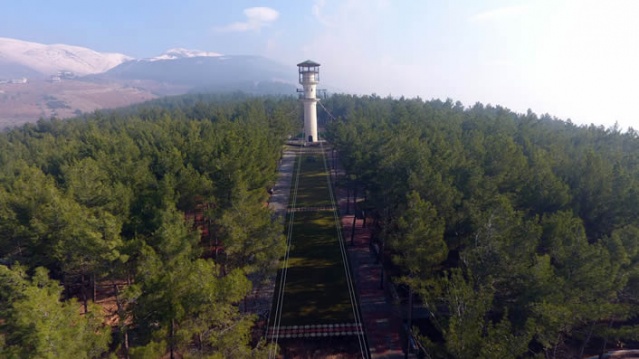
(133, 199)
(538, 218)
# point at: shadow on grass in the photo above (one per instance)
(313, 183)
(316, 290)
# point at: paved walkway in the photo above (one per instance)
(382, 318)
(279, 199)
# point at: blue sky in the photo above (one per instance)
(573, 59)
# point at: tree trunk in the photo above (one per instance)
(605, 342)
(171, 336)
(85, 300)
(554, 351)
(126, 344)
(355, 200)
(210, 228)
(353, 230)
(583, 346)
(216, 248)
(409, 322)
(122, 323)
(66, 294)
(333, 152)
(94, 293)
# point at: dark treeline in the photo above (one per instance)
(519, 233)
(109, 199)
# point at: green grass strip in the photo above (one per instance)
(313, 187)
(316, 291)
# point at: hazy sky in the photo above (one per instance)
(572, 59)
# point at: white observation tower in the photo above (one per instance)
(309, 77)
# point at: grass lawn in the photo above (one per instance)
(316, 291)
(312, 190)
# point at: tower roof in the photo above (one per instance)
(308, 63)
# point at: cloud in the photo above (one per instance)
(256, 18)
(499, 13)
(317, 10)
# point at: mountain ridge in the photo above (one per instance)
(202, 70)
(48, 60)
(180, 53)
(23, 58)
(38, 80)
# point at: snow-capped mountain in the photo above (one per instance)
(179, 53)
(188, 69)
(38, 81)
(49, 59)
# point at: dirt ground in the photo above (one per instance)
(24, 103)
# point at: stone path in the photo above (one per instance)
(281, 191)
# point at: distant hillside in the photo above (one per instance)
(12, 70)
(38, 80)
(205, 72)
(24, 103)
